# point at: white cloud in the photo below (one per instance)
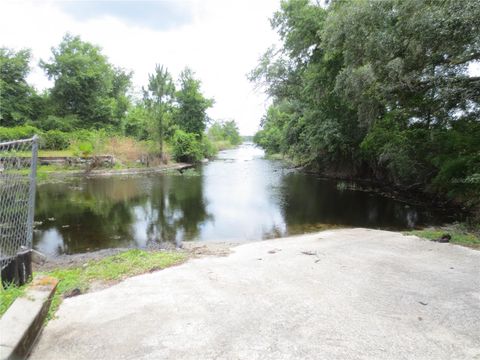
(221, 45)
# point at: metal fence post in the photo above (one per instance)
(33, 184)
(18, 169)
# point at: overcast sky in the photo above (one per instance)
(221, 40)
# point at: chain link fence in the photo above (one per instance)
(18, 165)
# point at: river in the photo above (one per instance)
(239, 196)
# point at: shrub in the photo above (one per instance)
(55, 140)
(125, 148)
(186, 147)
(51, 122)
(95, 138)
(209, 149)
(17, 132)
(83, 149)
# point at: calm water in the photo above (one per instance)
(239, 196)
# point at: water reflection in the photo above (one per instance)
(311, 200)
(239, 196)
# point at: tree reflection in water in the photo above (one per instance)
(239, 197)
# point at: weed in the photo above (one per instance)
(8, 296)
(110, 269)
(458, 236)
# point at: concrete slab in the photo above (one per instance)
(23, 321)
(343, 294)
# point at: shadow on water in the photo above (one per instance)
(240, 196)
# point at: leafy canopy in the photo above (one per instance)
(377, 89)
(86, 85)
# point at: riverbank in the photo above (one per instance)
(466, 215)
(52, 173)
(334, 293)
(458, 234)
(93, 271)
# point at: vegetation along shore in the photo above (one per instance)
(91, 118)
(391, 100)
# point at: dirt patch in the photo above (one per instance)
(199, 249)
(68, 261)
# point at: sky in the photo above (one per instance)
(220, 40)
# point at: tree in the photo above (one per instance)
(158, 97)
(191, 114)
(16, 96)
(377, 89)
(137, 122)
(225, 131)
(86, 84)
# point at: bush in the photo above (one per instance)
(209, 148)
(83, 149)
(92, 136)
(55, 140)
(17, 132)
(186, 147)
(65, 124)
(95, 139)
(125, 148)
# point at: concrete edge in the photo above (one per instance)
(114, 172)
(23, 321)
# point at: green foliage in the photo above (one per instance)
(274, 124)
(158, 98)
(89, 105)
(187, 147)
(191, 116)
(84, 143)
(209, 149)
(83, 149)
(225, 131)
(17, 98)
(378, 89)
(8, 296)
(17, 132)
(54, 140)
(86, 84)
(137, 122)
(66, 123)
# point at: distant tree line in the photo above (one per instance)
(377, 90)
(91, 94)
(226, 131)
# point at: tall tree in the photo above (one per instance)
(158, 97)
(17, 98)
(377, 89)
(86, 84)
(191, 115)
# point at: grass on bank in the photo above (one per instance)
(8, 296)
(110, 269)
(459, 236)
(56, 153)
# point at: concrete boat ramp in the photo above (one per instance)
(341, 294)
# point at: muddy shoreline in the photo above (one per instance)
(193, 249)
